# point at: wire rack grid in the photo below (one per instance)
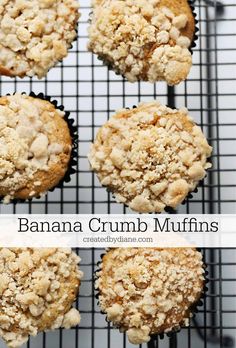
(92, 93)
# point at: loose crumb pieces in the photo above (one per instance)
(141, 40)
(150, 157)
(29, 142)
(35, 35)
(146, 291)
(37, 290)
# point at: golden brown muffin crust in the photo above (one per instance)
(146, 291)
(148, 40)
(56, 171)
(35, 35)
(182, 7)
(37, 290)
(55, 131)
(150, 157)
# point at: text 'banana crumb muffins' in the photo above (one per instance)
(37, 290)
(146, 40)
(150, 157)
(147, 291)
(35, 35)
(36, 146)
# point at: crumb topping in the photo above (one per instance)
(37, 290)
(142, 40)
(28, 141)
(35, 35)
(150, 157)
(147, 291)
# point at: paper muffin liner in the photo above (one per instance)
(194, 308)
(110, 66)
(71, 168)
(195, 36)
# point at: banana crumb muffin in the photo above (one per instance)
(147, 40)
(35, 147)
(147, 291)
(37, 290)
(150, 157)
(35, 35)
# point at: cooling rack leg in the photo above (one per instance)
(152, 343)
(227, 341)
(173, 343)
(171, 97)
(218, 4)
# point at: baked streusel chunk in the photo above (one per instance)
(150, 157)
(145, 40)
(35, 35)
(146, 291)
(37, 290)
(35, 146)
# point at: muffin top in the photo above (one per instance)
(35, 35)
(144, 40)
(35, 146)
(150, 157)
(147, 291)
(37, 290)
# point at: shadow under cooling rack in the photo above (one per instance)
(91, 93)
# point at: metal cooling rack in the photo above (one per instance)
(91, 93)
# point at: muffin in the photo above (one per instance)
(147, 291)
(145, 40)
(150, 157)
(36, 146)
(37, 290)
(35, 35)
